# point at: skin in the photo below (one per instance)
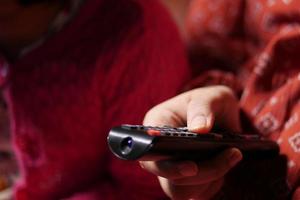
(21, 26)
(199, 109)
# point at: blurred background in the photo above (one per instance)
(8, 166)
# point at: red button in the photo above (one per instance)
(153, 132)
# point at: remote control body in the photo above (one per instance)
(136, 142)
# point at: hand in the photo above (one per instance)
(199, 109)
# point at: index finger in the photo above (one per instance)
(189, 172)
(172, 112)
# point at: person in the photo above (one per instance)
(253, 89)
(69, 71)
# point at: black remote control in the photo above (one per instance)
(136, 142)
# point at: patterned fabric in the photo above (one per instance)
(264, 35)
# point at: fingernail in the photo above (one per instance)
(234, 157)
(188, 169)
(198, 122)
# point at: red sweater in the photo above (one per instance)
(115, 60)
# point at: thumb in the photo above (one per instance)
(212, 105)
(200, 117)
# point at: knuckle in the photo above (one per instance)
(225, 91)
(215, 94)
(149, 114)
(224, 88)
(152, 116)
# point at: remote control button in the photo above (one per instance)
(167, 127)
(153, 132)
(251, 137)
(183, 129)
(132, 127)
(209, 136)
